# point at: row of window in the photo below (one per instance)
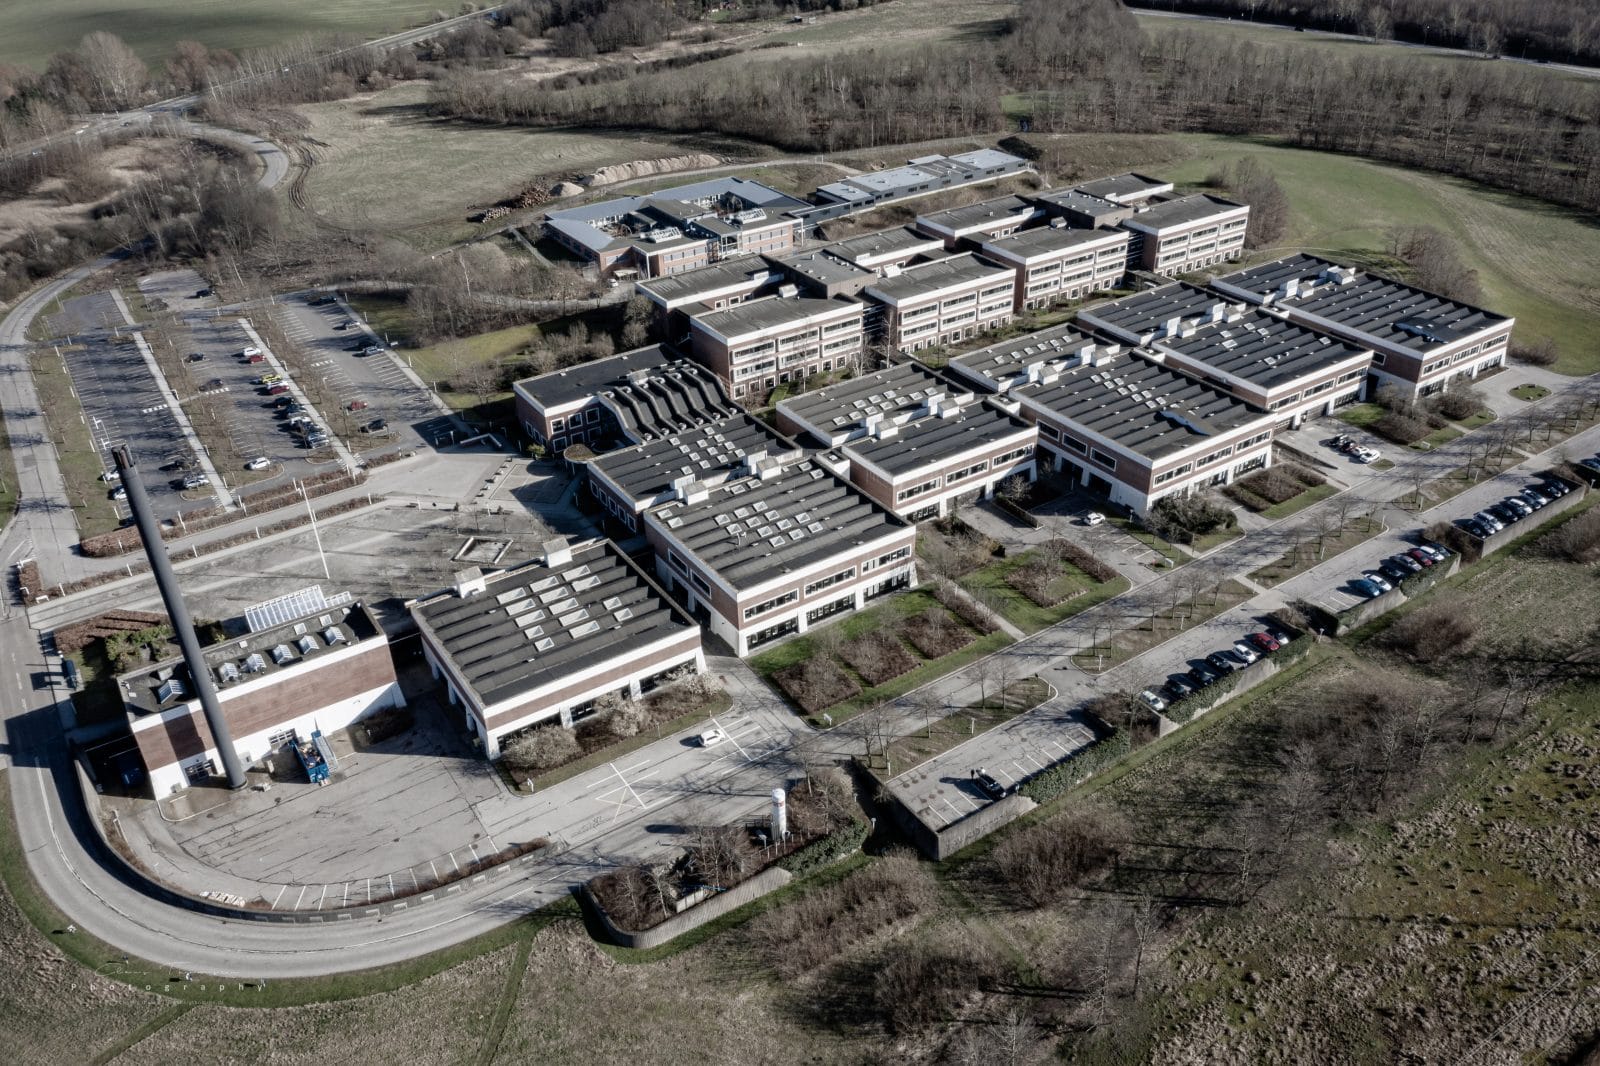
(831, 580)
(966, 472)
(773, 604)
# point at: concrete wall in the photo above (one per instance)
(940, 844)
(1542, 516)
(769, 880)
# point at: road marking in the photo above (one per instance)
(279, 896)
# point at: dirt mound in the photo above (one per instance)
(565, 188)
(644, 168)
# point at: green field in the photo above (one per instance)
(31, 32)
(384, 162)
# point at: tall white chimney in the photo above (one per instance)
(780, 816)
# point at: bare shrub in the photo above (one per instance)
(935, 634)
(541, 748)
(816, 684)
(922, 984)
(1578, 540)
(1459, 403)
(878, 657)
(1540, 352)
(623, 717)
(1044, 862)
(1433, 632)
(722, 855)
(798, 938)
(1066, 551)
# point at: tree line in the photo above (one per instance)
(1567, 30)
(1084, 66)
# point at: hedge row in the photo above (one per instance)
(965, 610)
(1016, 511)
(825, 850)
(1092, 565)
(1064, 776)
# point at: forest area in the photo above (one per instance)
(1084, 66)
(1561, 30)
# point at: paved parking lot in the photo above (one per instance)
(944, 789)
(177, 290)
(224, 385)
(125, 404)
(376, 380)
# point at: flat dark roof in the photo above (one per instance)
(695, 284)
(535, 624)
(977, 214)
(939, 438)
(766, 313)
(1263, 349)
(895, 390)
(997, 362)
(560, 387)
(1047, 239)
(711, 452)
(1183, 210)
(931, 277)
(1150, 311)
(249, 658)
(1140, 405)
(886, 242)
(1083, 203)
(1380, 307)
(817, 265)
(1121, 187)
(751, 531)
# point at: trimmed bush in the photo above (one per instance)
(1064, 776)
(824, 851)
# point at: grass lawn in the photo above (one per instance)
(1442, 435)
(1216, 539)
(1361, 414)
(30, 33)
(8, 480)
(988, 584)
(1530, 392)
(870, 620)
(388, 164)
(75, 451)
(942, 734)
(1295, 504)
(1308, 553)
(1484, 417)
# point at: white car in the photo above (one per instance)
(1152, 701)
(1244, 651)
(248, 352)
(1379, 580)
(711, 738)
(1367, 455)
(260, 462)
(1093, 518)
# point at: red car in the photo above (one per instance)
(1421, 556)
(1263, 641)
(257, 358)
(278, 389)
(357, 405)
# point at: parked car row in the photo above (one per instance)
(1355, 450)
(1514, 508)
(1214, 667)
(1371, 584)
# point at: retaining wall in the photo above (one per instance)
(1516, 530)
(768, 880)
(940, 844)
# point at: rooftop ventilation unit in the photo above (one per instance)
(254, 663)
(281, 654)
(227, 673)
(170, 689)
(307, 644)
(332, 636)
